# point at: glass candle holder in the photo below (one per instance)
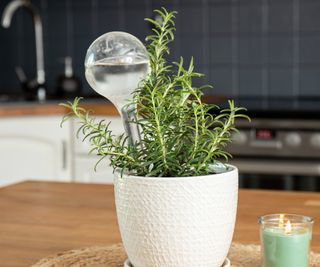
(285, 240)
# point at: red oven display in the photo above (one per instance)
(265, 134)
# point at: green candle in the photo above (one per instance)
(285, 240)
(285, 250)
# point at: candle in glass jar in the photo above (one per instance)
(285, 240)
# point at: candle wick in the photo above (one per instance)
(288, 228)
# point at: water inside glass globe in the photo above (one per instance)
(115, 64)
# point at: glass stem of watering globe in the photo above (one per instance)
(129, 118)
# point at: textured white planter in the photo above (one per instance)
(177, 222)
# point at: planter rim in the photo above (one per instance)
(152, 178)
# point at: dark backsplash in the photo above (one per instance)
(245, 47)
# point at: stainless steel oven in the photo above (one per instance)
(278, 153)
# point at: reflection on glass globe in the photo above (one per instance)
(115, 64)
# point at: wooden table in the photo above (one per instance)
(41, 218)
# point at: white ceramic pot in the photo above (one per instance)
(177, 222)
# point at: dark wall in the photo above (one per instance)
(245, 47)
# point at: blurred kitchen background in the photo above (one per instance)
(263, 53)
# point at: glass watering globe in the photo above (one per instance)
(115, 64)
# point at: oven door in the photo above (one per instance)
(282, 174)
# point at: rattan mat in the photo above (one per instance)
(114, 256)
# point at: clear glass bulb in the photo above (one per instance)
(115, 64)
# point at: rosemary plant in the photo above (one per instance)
(181, 136)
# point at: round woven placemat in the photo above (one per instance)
(114, 256)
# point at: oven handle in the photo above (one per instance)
(277, 167)
(266, 144)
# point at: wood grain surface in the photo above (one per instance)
(99, 107)
(36, 109)
(42, 218)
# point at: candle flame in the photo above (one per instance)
(288, 227)
(281, 221)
